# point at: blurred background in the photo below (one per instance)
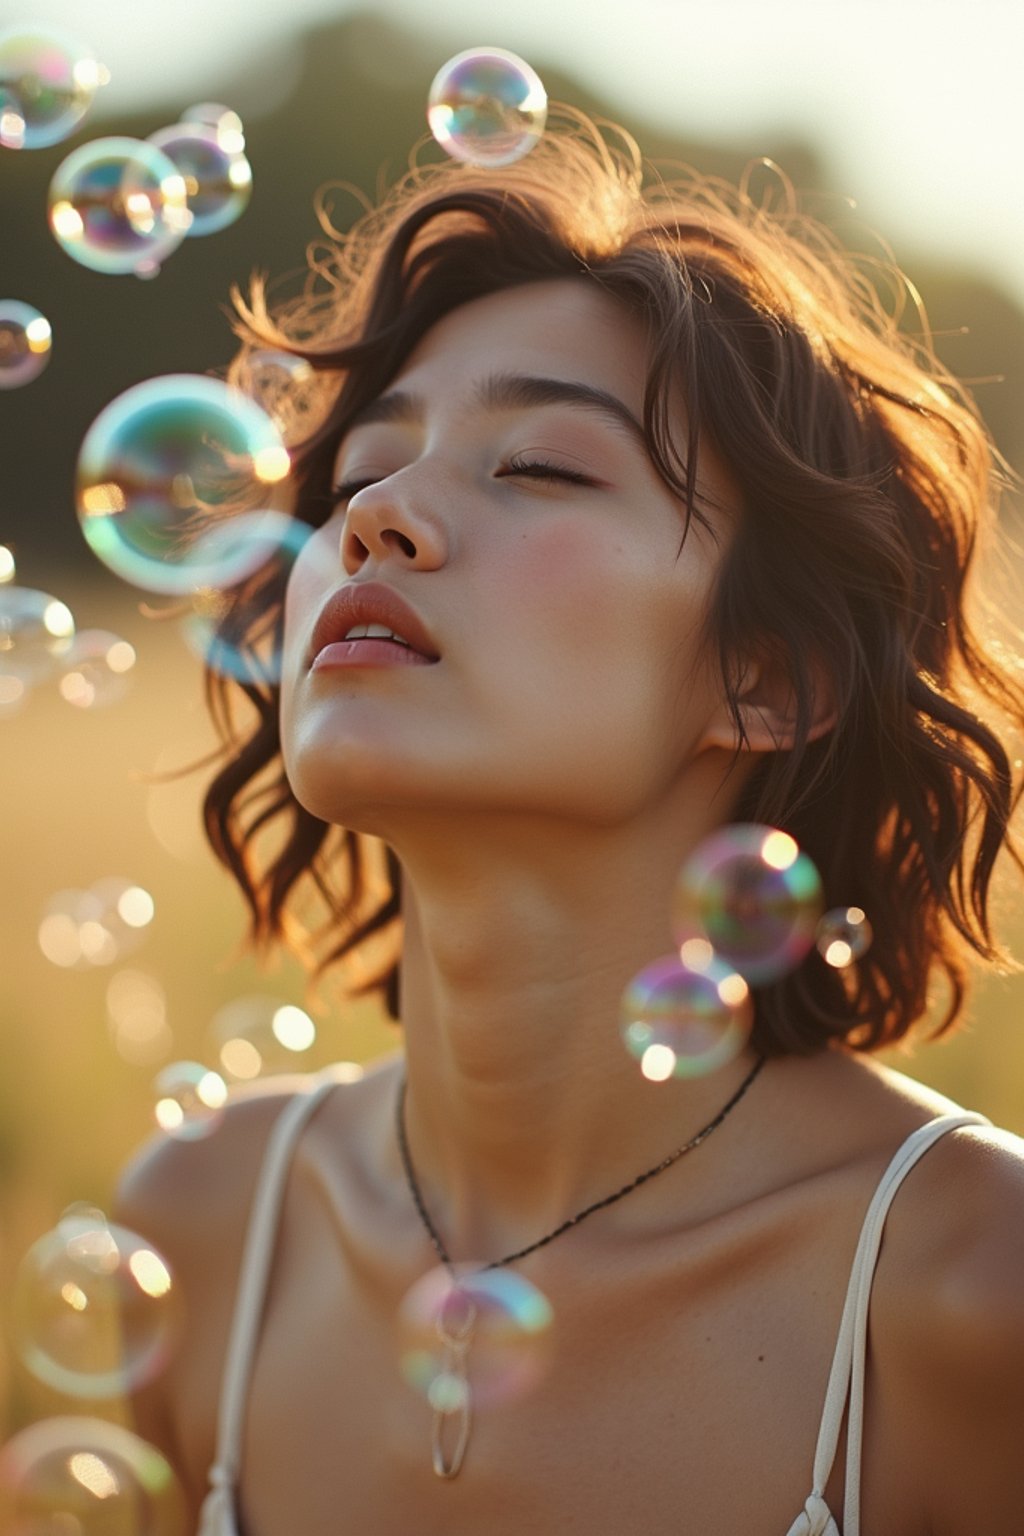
(909, 109)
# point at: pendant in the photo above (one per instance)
(450, 1393)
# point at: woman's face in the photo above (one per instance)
(501, 488)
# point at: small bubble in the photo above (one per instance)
(487, 106)
(686, 1015)
(843, 935)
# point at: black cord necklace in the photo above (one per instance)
(456, 1343)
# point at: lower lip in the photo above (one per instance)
(367, 653)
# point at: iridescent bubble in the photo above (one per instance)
(226, 124)
(504, 1318)
(118, 204)
(25, 339)
(96, 1310)
(229, 630)
(95, 670)
(47, 83)
(137, 1017)
(166, 462)
(843, 935)
(79, 1476)
(190, 1100)
(36, 632)
(487, 106)
(750, 891)
(686, 1015)
(288, 388)
(218, 182)
(259, 1035)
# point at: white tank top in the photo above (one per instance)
(846, 1379)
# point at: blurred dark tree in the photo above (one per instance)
(357, 109)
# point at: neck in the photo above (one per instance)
(523, 1105)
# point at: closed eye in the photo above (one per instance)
(542, 469)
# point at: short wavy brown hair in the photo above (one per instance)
(867, 485)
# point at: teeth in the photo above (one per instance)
(375, 632)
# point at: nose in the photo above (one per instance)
(389, 520)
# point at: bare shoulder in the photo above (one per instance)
(951, 1326)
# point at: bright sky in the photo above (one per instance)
(916, 103)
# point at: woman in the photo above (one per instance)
(665, 526)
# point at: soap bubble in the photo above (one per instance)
(486, 106)
(750, 891)
(843, 935)
(503, 1318)
(79, 1476)
(261, 1035)
(156, 470)
(36, 632)
(118, 204)
(686, 1015)
(95, 670)
(96, 1309)
(25, 340)
(95, 927)
(137, 1017)
(218, 183)
(226, 124)
(288, 388)
(47, 83)
(230, 630)
(190, 1100)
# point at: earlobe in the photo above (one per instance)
(768, 711)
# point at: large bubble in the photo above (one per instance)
(487, 106)
(686, 1015)
(119, 205)
(96, 1308)
(166, 463)
(47, 83)
(25, 341)
(36, 633)
(479, 1333)
(218, 182)
(79, 1476)
(750, 891)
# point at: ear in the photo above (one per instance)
(767, 701)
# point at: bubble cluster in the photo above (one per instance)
(754, 896)
(487, 106)
(36, 632)
(47, 84)
(25, 341)
(164, 467)
(95, 927)
(96, 1311)
(118, 205)
(190, 1100)
(80, 1476)
(95, 671)
(843, 935)
(259, 1035)
(504, 1321)
(218, 181)
(686, 1015)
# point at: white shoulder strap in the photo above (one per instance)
(847, 1374)
(253, 1276)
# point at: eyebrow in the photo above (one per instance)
(510, 391)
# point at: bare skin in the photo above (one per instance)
(541, 784)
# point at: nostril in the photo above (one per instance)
(393, 537)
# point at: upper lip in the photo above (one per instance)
(370, 602)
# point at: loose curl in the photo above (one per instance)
(867, 485)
